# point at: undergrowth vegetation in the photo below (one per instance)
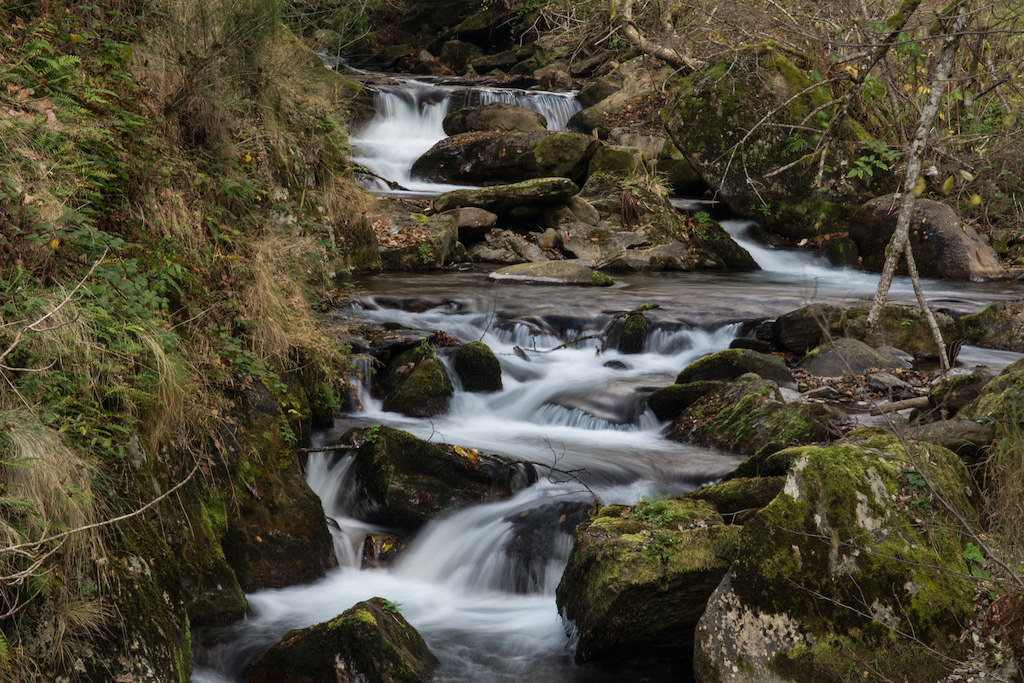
(174, 199)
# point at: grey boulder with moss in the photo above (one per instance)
(853, 554)
(370, 641)
(478, 368)
(997, 326)
(638, 578)
(900, 326)
(553, 273)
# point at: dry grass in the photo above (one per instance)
(47, 491)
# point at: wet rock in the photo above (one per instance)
(737, 499)
(759, 345)
(749, 413)
(668, 403)
(415, 383)
(899, 326)
(638, 578)
(801, 330)
(552, 272)
(845, 356)
(944, 246)
(553, 78)
(370, 641)
(495, 116)
(502, 198)
(478, 368)
(711, 111)
(497, 157)
(634, 333)
(404, 482)
(538, 535)
(731, 363)
(853, 585)
(619, 402)
(275, 533)
(456, 54)
(997, 326)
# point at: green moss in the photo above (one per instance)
(478, 368)
(599, 279)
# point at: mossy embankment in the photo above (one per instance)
(174, 198)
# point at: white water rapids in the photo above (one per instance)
(484, 615)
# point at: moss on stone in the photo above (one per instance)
(634, 333)
(478, 368)
(599, 279)
(416, 383)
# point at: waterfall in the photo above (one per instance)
(408, 120)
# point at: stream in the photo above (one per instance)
(574, 407)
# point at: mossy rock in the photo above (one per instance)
(853, 553)
(771, 460)
(997, 326)
(538, 192)
(416, 384)
(634, 333)
(950, 394)
(405, 481)
(616, 160)
(724, 103)
(731, 363)
(737, 499)
(370, 641)
(478, 368)
(1000, 400)
(638, 578)
(749, 413)
(668, 403)
(900, 326)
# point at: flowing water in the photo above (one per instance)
(408, 122)
(488, 613)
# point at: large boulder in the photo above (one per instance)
(731, 363)
(845, 356)
(739, 496)
(495, 157)
(370, 641)
(404, 482)
(495, 116)
(999, 400)
(749, 413)
(997, 326)
(725, 119)
(855, 568)
(503, 198)
(801, 330)
(638, 578)
(944, 246)
(478, 368)
(415, 383)
(552, 273)
(668, 403)
(900, 326)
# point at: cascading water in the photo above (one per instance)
(408, 121)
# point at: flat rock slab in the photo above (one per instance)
(502, 198)
(552, 273)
